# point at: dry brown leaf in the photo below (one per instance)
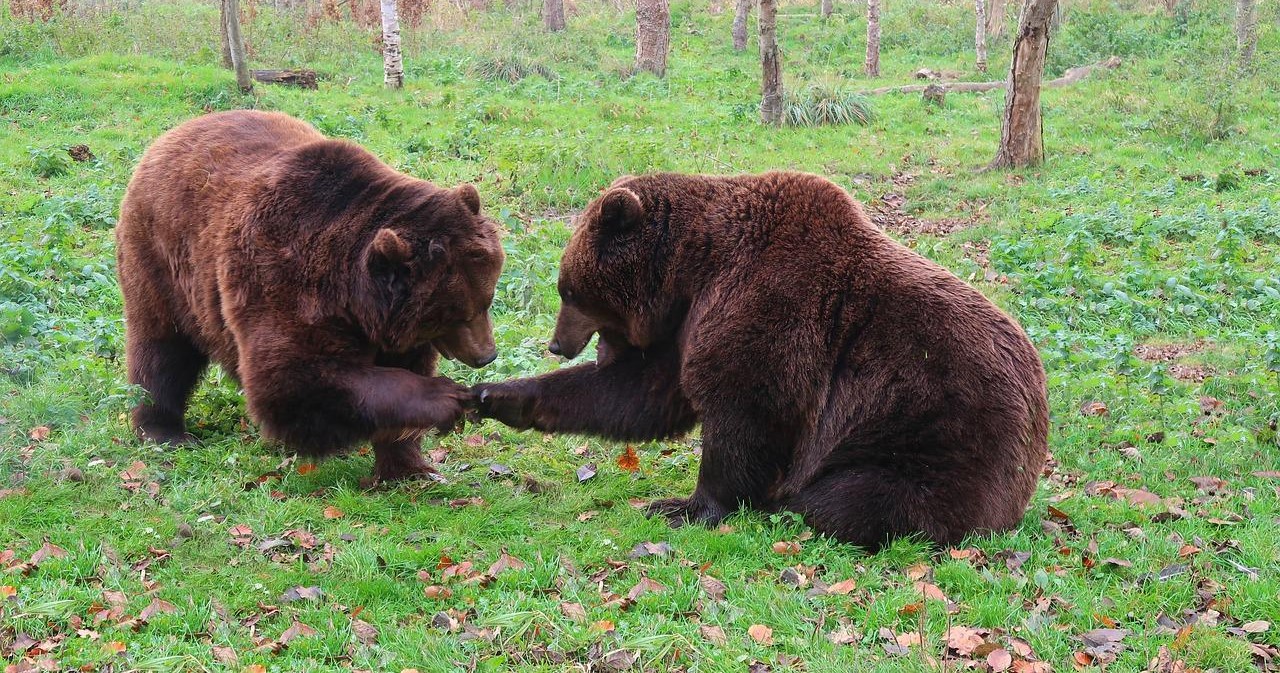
(296, 630)
(332, 512)
(604, 626)
(114, 647)
(999, 660)
(574, 611)
(918, 571)
(156, 607)
(254, 668)
(931, 591)
(761, 634)
(7, 592)
(714, 587)
(629, 461)
(225, 655)
(505, 562)
(1255, 627)
(843, 587)
(39, 433)
(306, 468)
(713, 634)
(786, 547)
(364, 632)
(435, 591)
(1094, 408)
(644, 586)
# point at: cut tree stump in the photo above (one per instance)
(303, 79)
(1071, 76)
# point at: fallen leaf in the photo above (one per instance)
(588, 515)
(843, 587)
(254, 668)
(714, 587)
(505, 562)
(629, 461)
(604, 626)
(999, 660)
(586, 472)
(47, 550)
(436, 591)
(574, 611)
(241, 535)
(364, 632)
(761, 634)
(296, 630)
(845, 635)
(1209, 485)
(39, 433)
(964, 640)
(498, 470)
(1268, 474)
(1255, 627)
(1094, 408)
(713, 634)
(114, 647)
(306, 468)
(650, 549)
(225, 655)
(645, 585)
(332, 512)
(918, 571)
(156, 607)
(786, 547)
(7, 592)
(931, 592)
(300, 593)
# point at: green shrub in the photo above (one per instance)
(820, 104)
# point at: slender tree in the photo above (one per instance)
(553, 15)
(1246, 31)
(827, 7)
(770, 64)
(236, 45)
(980, 35)
(222, 33)
(392, 61)
(872, 66)
(741, 10)
(1021, 132)
(653, 36)
(995, 10)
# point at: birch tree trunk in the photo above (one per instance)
(553, 15)
(653, 36)
(980, 35)
(872, 66)
(827, 7)
(995, 17)
(392, 61)
(741, 11)
(235, 44)
(1246, 31)
(1021, 132)
(222, 34)
(770, 65)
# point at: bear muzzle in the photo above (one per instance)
(471, 343)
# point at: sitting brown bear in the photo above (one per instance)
(317, 276)
(835, 372)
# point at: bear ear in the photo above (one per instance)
(388, 250)
(467, 192)
(620, 209)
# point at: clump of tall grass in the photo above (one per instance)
(820, 103)
(510, 69)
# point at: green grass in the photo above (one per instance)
(1155, 221)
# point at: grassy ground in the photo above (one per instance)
(1142, 258)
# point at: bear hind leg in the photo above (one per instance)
(168, 370)
(873, 507)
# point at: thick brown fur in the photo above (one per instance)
(835, 372)
(324, 281)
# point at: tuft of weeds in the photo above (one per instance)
(509, 69)
(822, 103)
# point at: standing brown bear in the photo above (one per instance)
(317, 276)
(835, 372)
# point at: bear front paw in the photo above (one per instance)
(510, 403)
(680, 511)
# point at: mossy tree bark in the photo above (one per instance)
(1021, 133)
(770, 64)
(653, 36)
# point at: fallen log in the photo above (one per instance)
(303, 79)
(1071, 76)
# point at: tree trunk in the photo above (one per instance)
(1021, 133)
(1246, 31)
(995, 17)
(392, 63)
(653, 36)
(872, 66)
(980, 36)
(827, 7)
(553, 15)
(770, 65)
(222, 33)
(740, 13)
(236, 45)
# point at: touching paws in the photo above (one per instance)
(511, 402)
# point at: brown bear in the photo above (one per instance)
(835, 372)
(321, 279)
